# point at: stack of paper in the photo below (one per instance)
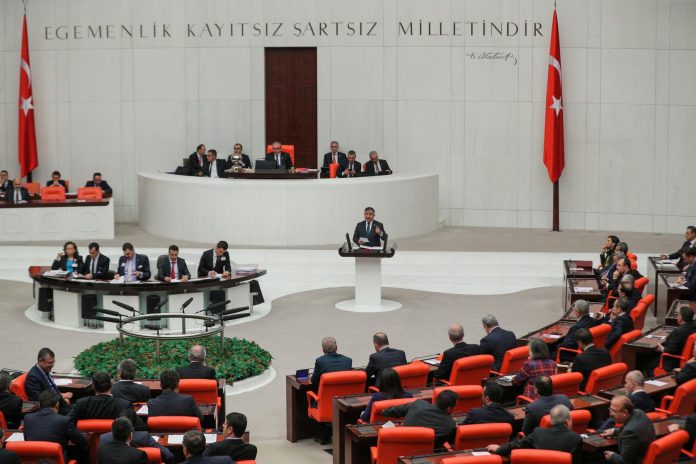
(583, 289)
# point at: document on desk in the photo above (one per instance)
(552, 336)
(61, 382)
(17, 436)
(175, 439)
(56, 273)
(657, 383)
(480, 453)
(432, 362)
(365, 247)
(120, 280)
(362, 240)
(143, 411)
(583, 289)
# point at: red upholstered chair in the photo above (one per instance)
(33, 451)
(89, 193)
(490, 459)
(203, 391)
(641, 283)
(333, 384)
(638, 316)
(567, 384)
(581, 418)
(3, 422)
(606, 377)
(413, 375)
(628, 337)
(33, 188)
(172, 424)
(666, 449)
(379, 406)
(469, 396)
(633, 259)
(683, 358)
(599, 338)
(246, 461)
(52, 194)
(96, 427)
(513, 360)
(470, 370)
(289, 149)
(154, 455)
(481, 435)
(534, 456)
(17, 387)
(682, 403)
(401, 441)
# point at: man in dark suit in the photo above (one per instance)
(103, 405)
(56, 181)
(634, 437)
(47, 425)
(384, 356)
(141, 437)
(330, 362)
(436, 416)
(198, 162)
(233, 445)
(688, 372)
(369, 232)
(591, 357)
(119, 449)
(349, 167)
(216, 167)
(7, 456)
(623, 267)
(10, 405)
(689, 280)
(246, 162)
(497, 340)
(5, 183)
(125, 387)
(132, 266)
(492, 410)
(583, 321)
(170, 402)
(197, 368)
(16, 194)
(97, 181)
(376, 166)
(675, 341)
(689, 242)
(215, 261)
(635, 387)
(281, 158)
(461, 349)
(96, 265)
(194, 447)
(546, 400)
(173, 267)
(619, 320)
(39, 379)
(333, 156)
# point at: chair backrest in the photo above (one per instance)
(640, 284)
(403, 441)
(633, 259)
(615, 350)
(599, 334)
(469, 396)
(666, 449)
(581, 419)
(52, 194)
(35, 450)
(481, 435)
(203, 391)
(648, 299)
(154, 455)
(535, 456)
(95, 425)
(172, 424)
(684, 400)
(514, 359)
(289, 149)
(471, 369)
(89, 193)
(337, 384)
(688, 349)
(470, 459)
(33, 188)
(3, 422)
(638, 315)
(379, 406)
(606, 377)
(567, 384)
(17, 387)
(413, 375)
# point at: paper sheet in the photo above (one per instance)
(60, 382)
(17, 436)
(583, 289)
(432, 362)
(480, 453)
(143, 411)
(388, 425)
(657, 383)
(552, 336)
(175, 439)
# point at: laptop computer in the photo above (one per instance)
(267, 165)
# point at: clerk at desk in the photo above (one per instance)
(369, 232)
(173, 268)
(131, 266)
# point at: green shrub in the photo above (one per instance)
(240, 359)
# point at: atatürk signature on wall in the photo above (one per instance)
(507, 57)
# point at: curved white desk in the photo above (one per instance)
(280, 212)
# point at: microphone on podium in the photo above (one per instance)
(186, 303)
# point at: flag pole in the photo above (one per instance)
(555, 207)
(24, 5)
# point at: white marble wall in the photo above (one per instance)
(125, 105)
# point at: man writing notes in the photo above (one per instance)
(215, 261)
(369, 232)
(132, 267)
(334, 156)
(282, 159)
(173, 268)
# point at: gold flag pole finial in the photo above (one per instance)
(24, 3)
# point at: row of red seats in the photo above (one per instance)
(58, 193)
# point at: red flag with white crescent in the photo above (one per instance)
(553, 129)
(26, 144)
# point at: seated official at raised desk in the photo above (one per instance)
(5, 183)
(69, 259)
(173, 267)
(282, 159)
(369, 232)
(97, 181)
(56, 181)
(216, 167)
(246, 161)
(96, 265)
(16, 194)
(334, 156)
(198, 161)
(349, 167)
(215, 261)
(376, 166)
(131, 266)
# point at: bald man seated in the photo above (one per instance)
(197, 368)
(461, 349)
(385, 356)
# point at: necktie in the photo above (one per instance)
(334, 158)
(369, 226)
(278, 160)
(376, 166)
(17, 195)
(94, 265)
(172, 264)
(350, 167)
(214, 260)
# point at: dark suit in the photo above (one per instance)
(8, 457)
(374, 239)
(423, 414)
(170, 403)
(590, 359)
(356, 167)
(142, 264)
(620, 325)
(491, 413)
(98, 407)
(11, 408)
(220, 164)
(585, 322)
(678, 254)
(37, 382)
(674, 344)
(118, 452)
(232, 447)
(285, 160)
(103, 185)
(541, 407)
(166, 269)
(61, 182)
(141, 439)
(221, 265)
(131, 391)
(209, 460)
(496, 343)
(690, 278)
(246, 161)
(197, 370)
(198, 167)
(4, 186)
(330, 362)
(614, 283)
(10, 194)
(633, 439)
(370, 168)
(46, 425)
(688, 372)
(101, 267)
(62, 263)
(690, 427)
(640, 400)
(556, 438)
(386, 357)
(340, 158)
(460, 350)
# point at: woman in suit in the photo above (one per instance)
(539, 363)
(390, 389)
(69, 259)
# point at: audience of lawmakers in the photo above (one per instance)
(197, 368)
(47, 424)
(215, 261)
(633, 437)
(69, 259)
(635, 388)
(96, 265)
(591, 358)
(674, 343)
(170, 402)
(688, 372)
(126, 387)
(97, 181)
(141, 436)
(102, 405)
(56, 181)
(232, 445)
(39, 379)
(539, 363)
(581, 309)
(497, 340)
(331, 361)
(689, 242)
(131, 266)
(492, 409)
(173, 267)
(384, 356)
(546, 400)
(10, 405)
(619, 319)
(334, 156)
(461, 349)
(120, 449)
(389, 389)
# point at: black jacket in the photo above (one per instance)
(357, 167)
(370, 168)
(541, 407)
(166, 269)
(386, 357)
(620, 325)
(220, 164)
(103, 185)
(585, 322)
(555, 438)
(10, 194)
(423, 414)
(373, 238)
(674, 344)
(11, 408)
(496, 343)
(687, 373)
(285, 159)
(36, 382)
(118, 452)
(340, 158)
(47, 425)
(8, 457)
(196, 370)
(491, 413)
(232, 447)
(170, 403)
(205, 265)
(198, 168)
(590, 359)
(98, 407)
(330, 362)
(633, 439)
(101, 269)
(131, 391)
(460, 350)
(142, 264)
(141, 439)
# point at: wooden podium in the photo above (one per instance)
(368, 281)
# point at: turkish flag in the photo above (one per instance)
(26, 143)
(553, 130)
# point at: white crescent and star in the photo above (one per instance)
(556, 105)
(26, 105)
